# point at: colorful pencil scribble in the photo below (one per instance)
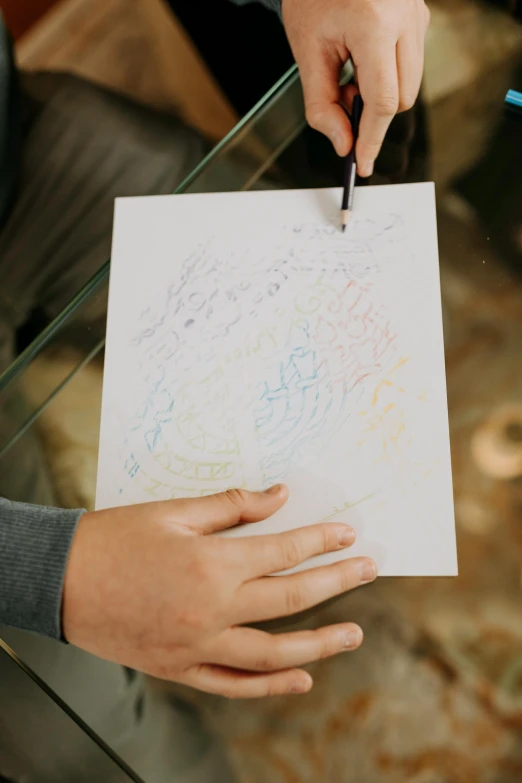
(251, 365)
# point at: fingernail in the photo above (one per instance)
(346, 537)
(366, 168)
(272, 490)
(367, 571)
(352, 639)
(335, 138)
(301, 686)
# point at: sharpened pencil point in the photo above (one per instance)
(344, 226)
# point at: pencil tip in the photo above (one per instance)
(344, 226)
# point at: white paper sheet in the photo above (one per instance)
(251, 342)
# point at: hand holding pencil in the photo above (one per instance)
(350, 165)
(385, 41)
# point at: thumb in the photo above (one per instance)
(212, 513)
(319, 71)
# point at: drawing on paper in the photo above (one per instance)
(250, 342)
(251, 364)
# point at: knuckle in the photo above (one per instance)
(198, 565)
(327, 537)
(273, 687)
(314, 116)
(329, 647)
(164, 671)
(268, 660)
(236, 497)
(369, 151)
(292, 551)
(376, 11)
(210, 594)
(293, 599)
(192, 624)
(347, 581)
(387, 104)
(204, 573)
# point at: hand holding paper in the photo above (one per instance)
(150, 588)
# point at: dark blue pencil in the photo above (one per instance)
(350, 164)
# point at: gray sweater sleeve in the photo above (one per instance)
(34, 548)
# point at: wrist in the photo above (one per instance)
(75, 578)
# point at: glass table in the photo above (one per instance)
(458, 642)
(239, 162)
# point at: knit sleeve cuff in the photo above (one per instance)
(35, 542)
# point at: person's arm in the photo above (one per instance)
(385, 41)
(150, 587)
(34, 549)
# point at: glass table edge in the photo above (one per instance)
(243, 126)
(67, 710)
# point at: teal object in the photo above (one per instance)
(514, 98)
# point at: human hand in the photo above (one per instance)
(147, 586)
(385, 40)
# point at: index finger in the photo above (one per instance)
(319, 72)
(263, 555)
(379, 88)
